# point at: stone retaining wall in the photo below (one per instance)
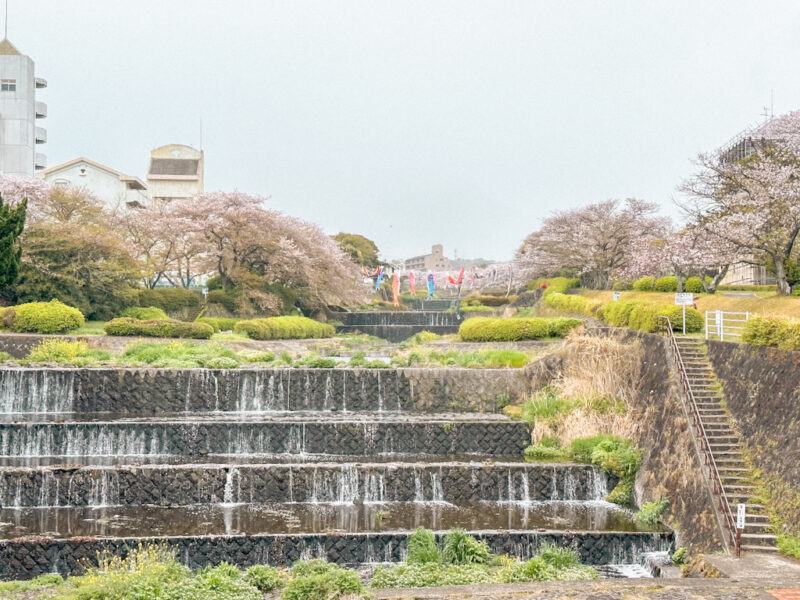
(165, 485)
(158, 391)
(186, 438)
(29, 557)
(762, 390)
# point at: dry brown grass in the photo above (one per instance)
(597, 371)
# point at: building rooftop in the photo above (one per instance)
(8, 48)
(133, 182)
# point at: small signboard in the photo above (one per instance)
(684, 299)
(617, 295)
(740, 513)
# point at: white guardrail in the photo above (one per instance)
(725, 324)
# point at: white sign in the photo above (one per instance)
(617, 295)
(685, 299)
(740, 511)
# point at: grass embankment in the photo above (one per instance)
(778, 305)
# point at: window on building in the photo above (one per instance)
(8, 85)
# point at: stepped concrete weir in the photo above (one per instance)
(270, 466)
(396, 326)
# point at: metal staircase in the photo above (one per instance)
(719, 445)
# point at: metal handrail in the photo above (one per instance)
(690, 404)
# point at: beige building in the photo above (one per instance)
(435, 261)
(114, 188)
(20, 111)
(175, 171)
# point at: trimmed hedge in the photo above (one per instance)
(644, 284)
(168, 299)
(144, 313)
(168, 328)
(219, 323)
(486, 329)
(748, 288)
(636, 314)
(227, 298)
(666, 284)
(573, 303)
(694, 285)
(284, 328)
(477, 300)
(44, 317)
(774, 331)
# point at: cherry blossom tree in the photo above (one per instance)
(593, 241)
(753, 205)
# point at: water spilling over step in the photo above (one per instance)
(396, 326)
(269, 466)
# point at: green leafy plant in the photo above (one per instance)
(319, 580)
(666, 284)
(458, 548)
(144, 313)
(219, 323)
(66, 352)
(168, 328)
(546, 406)
(679, 557)
(644, 284)
(277, 328)
(265, 578)
(422, 547)
(650, 513)
(487, 329)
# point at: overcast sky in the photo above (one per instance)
(455, 122)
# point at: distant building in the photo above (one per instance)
(435, 261)
(112, 187)
(175, 171)
(19, 111)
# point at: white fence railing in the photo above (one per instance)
(725, 324)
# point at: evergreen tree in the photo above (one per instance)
(12, 220)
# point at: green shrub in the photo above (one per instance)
(264, 578)
(423, 337)
(228, 298)
(556, 285)
(180, 355)
(169, 328)
(221, 362)
(748, 288)
(544, 453)
(638, 314)
(316, 362)
(219, 323)
(144, 313)
(617, 456)
(788, 545)
(666, 284)
(458, 548)
(650, 512)
(558, 556)
(46, 317)
(545, 406)
(33, 585)
(168, 299)
(573, 303)
(486, 329)
(256, 356)
(280, 328)
(478, 300)
(422, 547)
(406, 575)
(66, 352)
(485, 359)
(622, 493)
(774, 331)
(694, 285)
(581, 449)
(318, 580)
(644, 284)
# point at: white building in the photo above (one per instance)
(19, 111)
(175, 171)
(112, 187)
(435, 261)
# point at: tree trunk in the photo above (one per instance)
(784, 288)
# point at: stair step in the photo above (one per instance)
(751, 548)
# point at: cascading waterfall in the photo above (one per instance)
(232, 495)
(37, 391)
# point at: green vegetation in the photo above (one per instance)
(423, 337)
(144, 313)
(181, 355)
(361, 249)
(168, 328)
(66, 352)
(650, 512)
(555, 285)
(464, 560)
(774, 331)
(614, 455)
(644, 284)
(265, 578)
(487, 359)
(693, 285)
(42, 582)
(359, 360)
(282, 328)
(43, 317)
(320, 580)
(219, 323)
(547, 405)
(486, 300)
(486, 329)
(168, 299)
(666, 284)
(788, 544)
(636, 314)
(12, 222)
